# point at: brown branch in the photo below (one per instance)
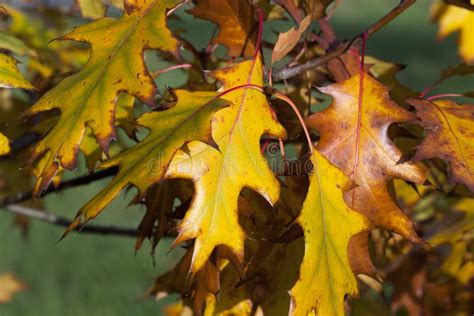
(404, 4)
(62, 221)
(290, 72)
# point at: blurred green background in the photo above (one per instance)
(100, 275)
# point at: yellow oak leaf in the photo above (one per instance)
(354, 137)
(270, 268)
(236, 20)
(88, 97)
(328, 225)
(453, 18)
(92, 153)
(450, 132)
(124, 114)
(145, 163)
(221, 174)
(10, 77)
(4, 145)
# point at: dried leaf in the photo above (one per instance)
(317, 8)
(287, 41)
(354, 138)
(160, 203)
(450, 131)
(290, 6)
(236, 20)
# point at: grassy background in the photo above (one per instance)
(94, 275)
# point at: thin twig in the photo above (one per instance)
(404, 4)
(83, 180)
(171, 68)
(62, 221)
(290, 72)
(444, 95)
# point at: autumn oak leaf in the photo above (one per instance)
(88, 97)
(450, 135)
(10, 77)
(354, 138)
(328, 224)
(237, 23)
(220, 174)
(145, 163)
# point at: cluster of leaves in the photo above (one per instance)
(333, 218)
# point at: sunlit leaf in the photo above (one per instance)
(10, 77)
(221, 174)
(328, 225)
(145, 164)
(4, 145)
(88, 97)
(450, 131)
(354, 138)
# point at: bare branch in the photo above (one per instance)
(290, 72)
(62, 221)
(24, 196)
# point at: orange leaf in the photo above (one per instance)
(450, 133)
(354, 138)
(288, 40)
(237, 23)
